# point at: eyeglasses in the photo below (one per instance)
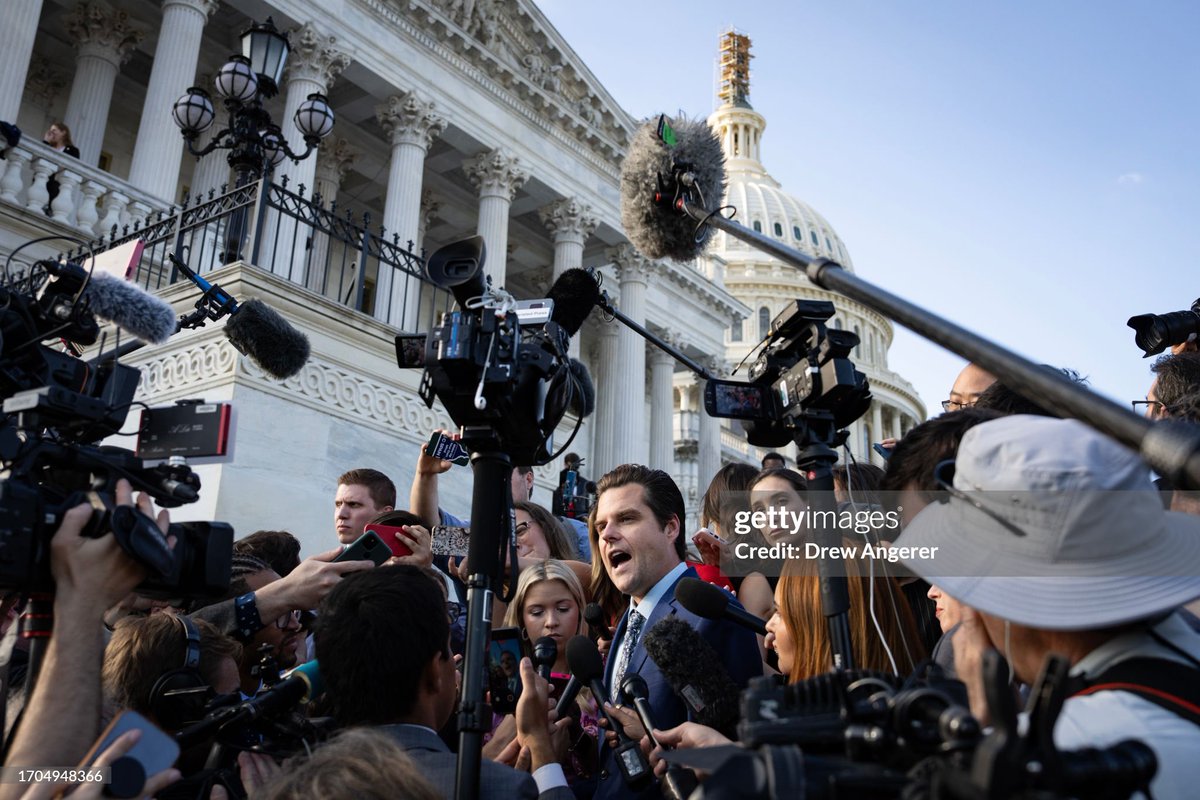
(943, 476)
(453, 611)
(283, 622)
(522, 527)
(954, 405)
(1141, 406)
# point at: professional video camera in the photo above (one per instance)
(869, 735)
(573, 497)
(57, 407)
(495, 362)
(1154, 333)
(803, 378)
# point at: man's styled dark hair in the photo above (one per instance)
(397, 518)
(1186, 408)
(773, 456)
(400, 614)
(280, 549)
(933, 441)
(1007, 400)
(379, 486)
(659, 491)
(1178, 375)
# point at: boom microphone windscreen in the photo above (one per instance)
(575, 294)
(656, 228)
(695, 671)
(262, 334)
(146, 316)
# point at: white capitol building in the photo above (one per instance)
(454, 117)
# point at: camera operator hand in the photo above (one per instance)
(682, 737)
(305, 586)
(420, 541)
(630, 723)
(255, 771)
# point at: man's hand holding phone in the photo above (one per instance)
(410, 544)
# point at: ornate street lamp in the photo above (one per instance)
(255, 143)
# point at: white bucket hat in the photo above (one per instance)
(1098, 550)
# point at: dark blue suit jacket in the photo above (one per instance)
(737, 647)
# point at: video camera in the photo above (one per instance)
(57, 407)
(1154, 333)
(494, 362)
(573, 497)
(803, 377)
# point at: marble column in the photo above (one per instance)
(497, 175)
(313, 64)
(662, 408)
(708, 456)
(896, 433)
(605, 454)
(411, 122)
(570, 223)
(158, 150)
(105, 38)
(16, 49)
(334, 160)
(629, 425)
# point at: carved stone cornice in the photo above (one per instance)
(314, 57)
(497, 173)
(98, 28)
(409, 118)
(568, 219)
(335, 159)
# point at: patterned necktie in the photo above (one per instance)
(633, 629)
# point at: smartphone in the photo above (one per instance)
(368, 547)
(883, 451)
(451, 540)
(153, 753)
(391, 536)
(443, 447)
(504, 669)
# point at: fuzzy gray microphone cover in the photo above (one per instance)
(120, 302)
(267, 339)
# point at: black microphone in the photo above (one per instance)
(593, 614)
(545, 653)
(694, 670)
(583, 659)
(585, 663)
(575, 294)
(146, 316)
(652, 176)
(678, 783)
(711, 602)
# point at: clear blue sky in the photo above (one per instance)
(1027, 169)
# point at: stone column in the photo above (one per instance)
(105, 38)
(708, 456)
(158, 150)
(606, 454)
(411, 124)
(896, 433)
(497, 175)
(876, 430)
(570, 223)
(334, 159)
(313, 65)
(662, 408)
(16, 49)
(629, 426)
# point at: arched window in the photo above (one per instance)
(778, 229)
(735, 331)
(857, 333)
(799, 234)
(828, 244)
(813, 234)
(757, 226)
(764, 320)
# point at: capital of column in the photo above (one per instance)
(497, 173)
(335, 159)
(100, 30)
(430, 206)
(632, 266)
(44, 81)
(205, 7)
(568, 219)
(714, 365)
(409, 118)
(656, 355)
(314, 57)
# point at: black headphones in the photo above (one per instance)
(179, 696)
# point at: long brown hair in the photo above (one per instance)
(801, 612)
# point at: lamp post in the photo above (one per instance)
(255, 143)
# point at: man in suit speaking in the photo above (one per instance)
(636, 531)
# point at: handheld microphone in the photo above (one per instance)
(593, 614)
(300, 686)
(653, 177)
(575, 294)
(146, 316)
(545, 653)
(585, 663)
(678, 783)
(711, 602)
(695, 672)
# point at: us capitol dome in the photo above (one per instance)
(767, 285)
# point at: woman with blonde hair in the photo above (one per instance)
(549, 601)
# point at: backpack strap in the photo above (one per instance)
(1168, 684)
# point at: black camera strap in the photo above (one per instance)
(1167, 684)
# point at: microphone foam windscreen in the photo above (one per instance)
(659, 231)
(700, 598)
(583, 659)
(695, 672)
(146, 316)
(575, 294)
(265, 336)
